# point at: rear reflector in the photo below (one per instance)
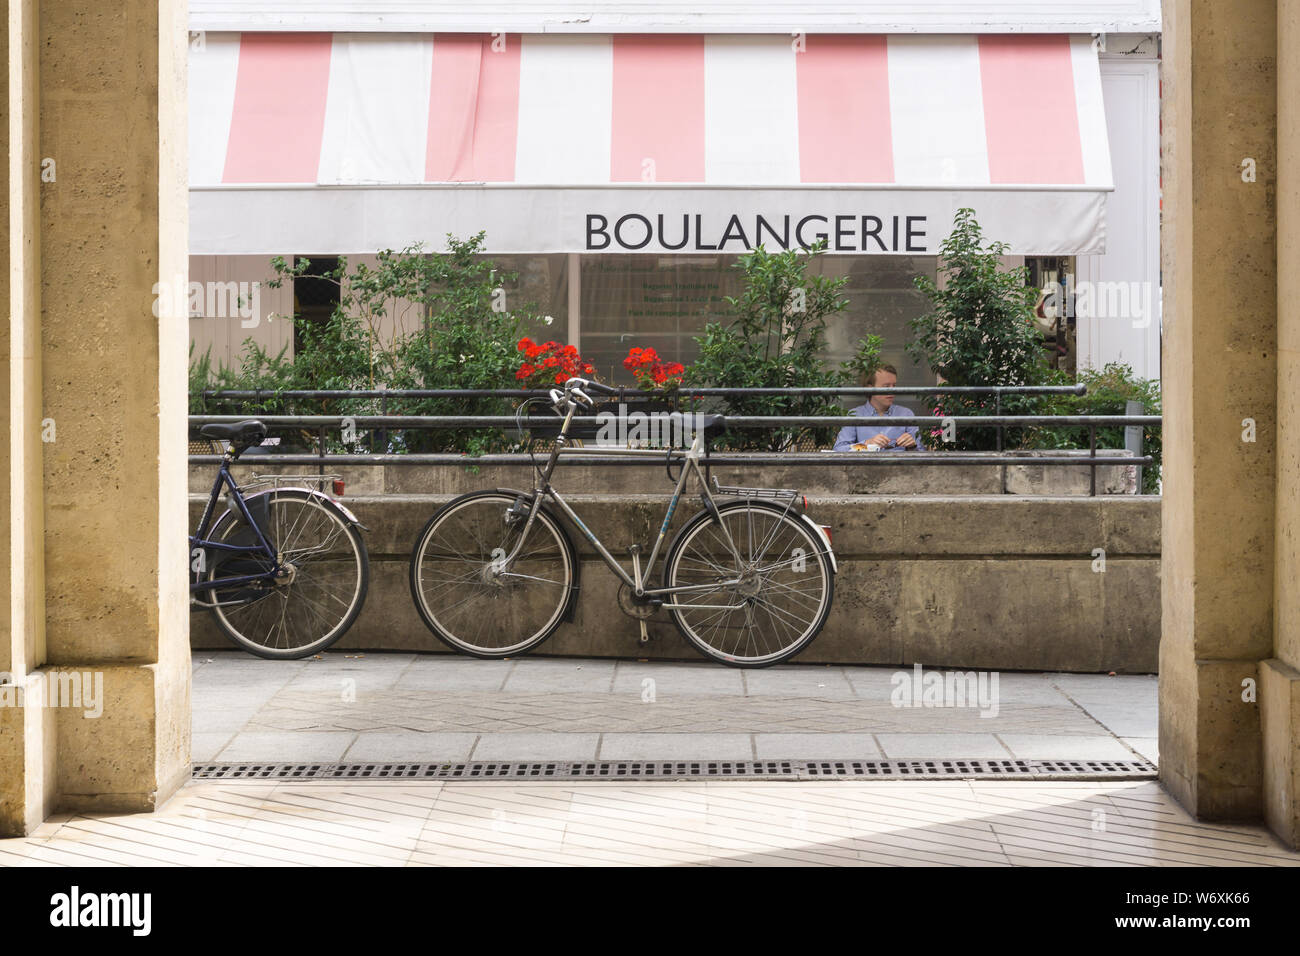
(338, 487)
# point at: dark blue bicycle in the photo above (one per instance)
(283, 570)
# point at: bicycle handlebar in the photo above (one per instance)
(587, 385)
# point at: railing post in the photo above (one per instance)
(1002, 467)
(997, 410)
(1092, 459)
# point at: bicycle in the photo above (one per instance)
(284, 570)
(748, 583)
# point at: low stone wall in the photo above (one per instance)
(989, 582)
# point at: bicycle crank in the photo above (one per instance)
(637, 608)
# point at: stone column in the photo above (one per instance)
(97, 609)
(28, 775)
(1219, 375)
(1279, 677)
(1230, 648)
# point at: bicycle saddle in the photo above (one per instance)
(712, 425)
(237, 433)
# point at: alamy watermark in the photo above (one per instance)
(624, 429)
(77, 908)
(919, 688)
(210, 300)
(1134, 301)
(83, 690)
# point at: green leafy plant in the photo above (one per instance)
(1109, 391)
(979, 331)
(866, 359)
(774, 340)
(467, 340)
(464, 339)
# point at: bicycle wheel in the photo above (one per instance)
(316, 602)
(784, 590)
(464, 597)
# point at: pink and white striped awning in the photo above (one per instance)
(354, 142)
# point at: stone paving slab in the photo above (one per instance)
(394, 707)
(722, 822)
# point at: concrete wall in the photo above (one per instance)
(1000, 582)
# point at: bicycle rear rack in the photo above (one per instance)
(287, 481)
(742, 492)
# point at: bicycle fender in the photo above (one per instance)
(339, 509)
(821, 536)
(571, 605)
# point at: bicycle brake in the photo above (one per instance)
(517, 512)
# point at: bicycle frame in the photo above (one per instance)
(640, 576)
(199, 540)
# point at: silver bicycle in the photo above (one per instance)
(747, 581)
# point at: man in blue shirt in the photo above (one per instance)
(877, 433)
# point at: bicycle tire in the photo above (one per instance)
(464, 603)
(341, 555)
(784, 608)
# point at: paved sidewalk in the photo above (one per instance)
(430, 708)
(720, 823)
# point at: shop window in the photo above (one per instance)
(541, 286)
(659, 302)
(664, 302)
(882, 301)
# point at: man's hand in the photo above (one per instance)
(906, 440)
(880, 441)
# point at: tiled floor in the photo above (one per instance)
(873, 823)
(393, 707)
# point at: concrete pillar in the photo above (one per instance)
(94, 551)
(1229, 698)
(1280, 675)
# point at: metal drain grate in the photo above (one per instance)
(685, 769)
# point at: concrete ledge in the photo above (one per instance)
(996, 582)
(820, 479)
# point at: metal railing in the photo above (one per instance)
(323, 424)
